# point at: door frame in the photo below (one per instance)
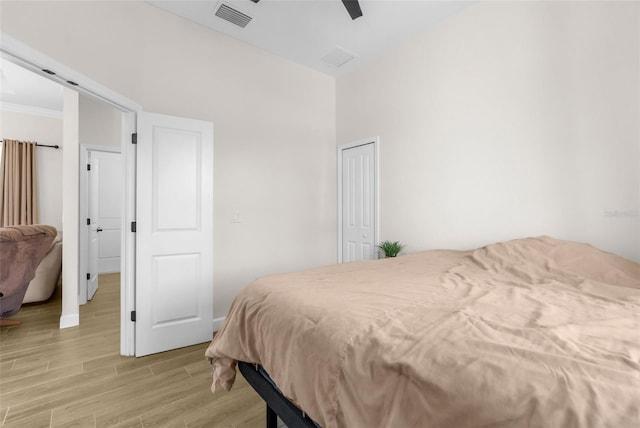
(83, 246)
(376, 193)
(35, 61)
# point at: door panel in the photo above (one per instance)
(109, 250)
(101, 195)
(174, 238)
(177, 189)
(92, 278)
(358, 203)
(168, 271)
(107, 170)
(94, 240)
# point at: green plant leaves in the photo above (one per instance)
(391, 249)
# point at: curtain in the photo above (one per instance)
(18, 184)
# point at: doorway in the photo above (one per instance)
(30, 59)
(101, 205)
(195, 165)
(358, 200)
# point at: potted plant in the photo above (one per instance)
(391, 249)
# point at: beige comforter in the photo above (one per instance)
(535, 332)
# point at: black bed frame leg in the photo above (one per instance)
(272, 418)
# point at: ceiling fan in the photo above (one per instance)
(353, 7)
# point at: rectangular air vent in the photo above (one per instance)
(337, 58)
(232, 15)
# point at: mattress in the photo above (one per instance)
(530, 332)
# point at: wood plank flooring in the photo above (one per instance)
(76, 377)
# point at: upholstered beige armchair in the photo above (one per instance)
(21, 250)
(44, 282)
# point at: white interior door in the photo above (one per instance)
(174, 233)
(104, 213)
(92, 276)
(106, 188)
(358, 203)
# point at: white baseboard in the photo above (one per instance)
(217, 323)
(71, 320)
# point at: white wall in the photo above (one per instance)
(510, 119)
(100, 123)
(274, 123)
(43, 130)
(70, 316)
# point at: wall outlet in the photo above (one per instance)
(235, 217)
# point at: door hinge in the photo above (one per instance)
(88, 167)
(133, 226)
(134, 138)
(88, 222)
(133, 316)
(88, 276)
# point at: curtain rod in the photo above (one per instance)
(43, 145)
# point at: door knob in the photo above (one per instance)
(99, 229)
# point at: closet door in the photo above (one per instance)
(358, 185)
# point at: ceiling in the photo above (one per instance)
(20, 88)
(306, 31)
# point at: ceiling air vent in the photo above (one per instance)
(337, 58)
(232, 15)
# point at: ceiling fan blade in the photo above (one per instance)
(353, 7)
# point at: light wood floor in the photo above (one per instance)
(76, 377)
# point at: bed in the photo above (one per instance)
(531, 332)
